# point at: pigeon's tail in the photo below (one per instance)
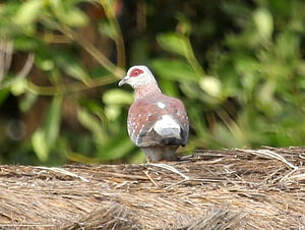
(169, 130)
(171, 136)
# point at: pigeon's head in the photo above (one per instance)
(138, 76)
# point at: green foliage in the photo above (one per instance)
(176, 69)
(44, 138)
(117, 96)
(68, 13)
(28, 12)
(238, 66)
(173, 42)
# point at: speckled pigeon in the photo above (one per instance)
(157, 123)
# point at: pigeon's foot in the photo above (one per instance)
(159, 153)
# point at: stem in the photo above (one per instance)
(119, 42)
(118, 39)
(64, 89)
(93, 51)
(191, 58)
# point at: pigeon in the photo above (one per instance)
(156, 123)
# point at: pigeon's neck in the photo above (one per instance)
(146, 90)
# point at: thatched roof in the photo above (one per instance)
(229, 189)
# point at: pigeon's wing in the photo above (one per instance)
(179, 113)
(158, 121)
(141, 119)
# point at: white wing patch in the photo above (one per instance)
(167, 127)
(161, 105)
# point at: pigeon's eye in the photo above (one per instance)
(136, 72)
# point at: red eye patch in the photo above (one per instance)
(136, 72)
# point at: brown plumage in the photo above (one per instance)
(157, 123)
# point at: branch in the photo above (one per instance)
(118, 38)
(93, 51)
(72, 87)
(6, 53)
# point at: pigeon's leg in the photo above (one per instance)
(153, 154)
(148, 159)
(170, 153)
(159, 153)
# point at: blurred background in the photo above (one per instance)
(237, 65)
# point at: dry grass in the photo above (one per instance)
(229, 189)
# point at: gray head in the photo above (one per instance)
(137, 76)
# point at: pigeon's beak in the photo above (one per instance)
(123, 81)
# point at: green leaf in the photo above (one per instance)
(287, 46)
(27, 102)
(75, 70)
(173, 42)
(211, 85)
(69, 14)
(19, 87)
(4, 93)
(168, 87)
(264, 23)
(43, 139)
(45, 64)
(74, 17)
(117, 96)
(39, 145)
(265, 98)
(28, 12)
(116, 148)
(175, 70)
(25, 43)
(72, 67)
(92, 123)
(108, 29)
(52, 122)
(112, 112)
